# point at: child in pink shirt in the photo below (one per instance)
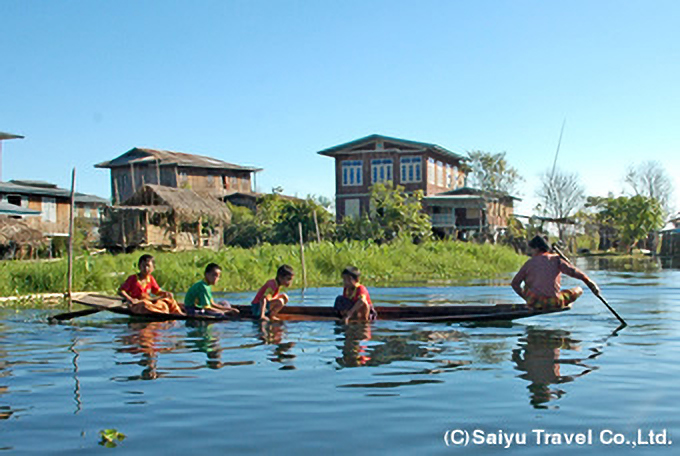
(542, 277)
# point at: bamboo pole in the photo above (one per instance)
(70, 240)
(599, 296)
(302, 258)
(158, 172)
(316, 224)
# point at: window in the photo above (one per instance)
(439, 166)
(16, 200)
(381, 170)
(87, 213)
(473, 214)
(351, 172)
(449, 176)
(352, 208)
(455, 177)
(49, 210)
(430, 171)
(210, 180)
(410, 169)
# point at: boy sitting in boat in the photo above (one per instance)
(199, 299)
(542, 276)
(355, 302)
(137, 290)
(269, 301)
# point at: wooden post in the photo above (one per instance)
(158, 171)
(123, 237)
(200, 227)
(116, 194)
(316, 224)
(146, 227)
(132, 176)
(70, 240)
(302, 258)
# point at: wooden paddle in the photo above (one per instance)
(623, 322)
(69, 315)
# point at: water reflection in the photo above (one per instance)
(148, 339)
(5, 411)
(273, 333)
(361, 346)
(539, 357)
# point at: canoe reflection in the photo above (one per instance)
(148, 339)
(539, 358)
(273, 333)
(361, 346)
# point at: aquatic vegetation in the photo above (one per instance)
(246, 269)
(110, 438)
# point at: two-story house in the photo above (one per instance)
(414, 165)
(204, 175)
(51, 203)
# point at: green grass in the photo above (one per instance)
(247, 269)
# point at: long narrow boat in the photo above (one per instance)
(450, 313)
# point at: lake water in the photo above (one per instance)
(384, 388)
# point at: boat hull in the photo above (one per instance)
(450, 313)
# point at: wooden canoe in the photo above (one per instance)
(450, 313)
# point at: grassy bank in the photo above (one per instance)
(247, 269)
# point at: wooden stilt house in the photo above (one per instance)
(165, 217)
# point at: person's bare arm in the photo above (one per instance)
(355, 308)
(572, 271)
(517, 282)
(127, 297)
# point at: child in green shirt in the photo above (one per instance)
(199, 299)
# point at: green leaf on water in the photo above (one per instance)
(111, 437)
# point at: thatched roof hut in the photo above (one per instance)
(162, 216)
(183, 202)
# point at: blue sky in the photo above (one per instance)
(269, 83)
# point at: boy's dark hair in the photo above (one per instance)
(352, 272)
(540, 243)
(212, 267)
(285, 271)
(144, 258)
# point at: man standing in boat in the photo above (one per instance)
(542, 277)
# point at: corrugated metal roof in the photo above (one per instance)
(476, 191)
(332, 151)
(140, 155)
(4, 135)
(18, 189)
(13, 209)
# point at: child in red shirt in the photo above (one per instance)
(542, 277)
(355, 302)
(268, 299)
(138, 288)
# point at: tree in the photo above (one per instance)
(286, 230)
(650, 179)
(393, 214)
(398, 213)
(276, 221)
(491, 172)
(632, 218)
(561, 194)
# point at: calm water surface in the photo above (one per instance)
(313, 387)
